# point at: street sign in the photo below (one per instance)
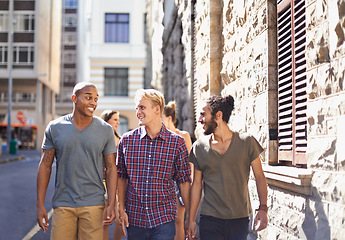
(21, 117)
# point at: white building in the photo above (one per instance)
(117, 55)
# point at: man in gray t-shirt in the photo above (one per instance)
(79, 142)
(222, 162)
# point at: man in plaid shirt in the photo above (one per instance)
(150, 159)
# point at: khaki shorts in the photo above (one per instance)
(77, 223)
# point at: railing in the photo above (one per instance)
(18, 97)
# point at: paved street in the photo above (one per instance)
(18, 197)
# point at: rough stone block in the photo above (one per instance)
(337, 216)
(317, 46)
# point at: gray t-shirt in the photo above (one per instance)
(226, 176)
(79, 160)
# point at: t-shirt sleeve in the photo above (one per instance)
(192, 158)
(48, 139)
(255, 149)
(110, 146)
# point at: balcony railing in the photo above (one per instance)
(18, 98)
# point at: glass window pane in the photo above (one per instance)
(117, 27)
(110, 17)
(116, 82)
(3, 22)
(23, 54)
(123, 17)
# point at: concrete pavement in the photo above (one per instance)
(21, 154)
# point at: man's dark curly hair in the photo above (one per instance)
(223, 104)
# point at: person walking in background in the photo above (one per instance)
(222, 162)
(79, 141)
(150, 160)
(170, 122)
(113, 118)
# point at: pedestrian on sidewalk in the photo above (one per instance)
(79, 142)
(222, 162)
(150, 160)
(113, 118)
(170, 121)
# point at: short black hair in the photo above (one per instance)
(223, 104)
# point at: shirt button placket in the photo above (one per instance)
(147, 177)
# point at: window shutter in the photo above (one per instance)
(292, 82)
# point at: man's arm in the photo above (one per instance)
(261, 186)
(43, 177)
(195, 196)
(111, 182)
(122, 189)
(185, 193)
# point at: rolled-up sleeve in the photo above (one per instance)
(120, 161)
(182, 167)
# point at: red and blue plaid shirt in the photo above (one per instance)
(151, 167)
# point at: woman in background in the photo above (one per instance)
(170, 122)
(113, 118)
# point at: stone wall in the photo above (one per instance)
(177, 64)
(249, 73)
(245, 66)
(248, 77)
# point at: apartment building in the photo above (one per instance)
(117, 56)
(30, 56)
(74, 51)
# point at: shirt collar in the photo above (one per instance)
(162, 133)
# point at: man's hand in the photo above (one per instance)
(123, 221)
(110, 216)
(42, 218)
(186, 226)
(192, 230)
(261, 217)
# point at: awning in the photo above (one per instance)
(33, 126)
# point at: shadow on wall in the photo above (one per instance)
(315, 224)
(283, 225)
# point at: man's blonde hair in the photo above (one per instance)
(155, 96)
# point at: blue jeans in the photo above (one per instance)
(162, 232)
(212, 228)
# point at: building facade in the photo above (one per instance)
(74, 51)
(31, 57)
(282, 61)
(117, 56)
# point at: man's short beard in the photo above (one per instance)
(211, 127)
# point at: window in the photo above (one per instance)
(292, 82)
(23, 56)
(70, 21)
(117, 28)
(3, 22)
(25, 97)
(69, 57)
(70, 38)
(3, 56)
(116, 82)
(24, 22)
(69, 77)
(71, 3)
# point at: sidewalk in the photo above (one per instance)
(21, 154)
